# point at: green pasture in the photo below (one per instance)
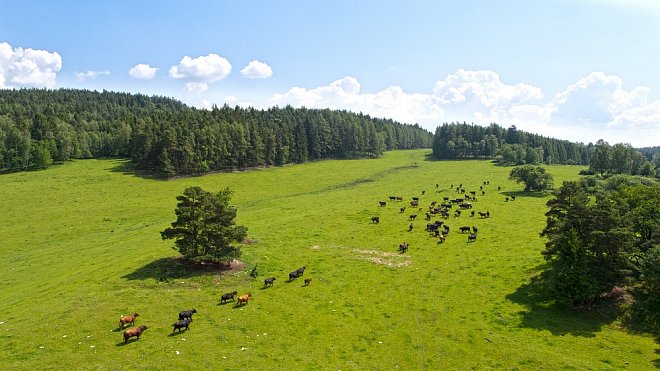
(80, 246)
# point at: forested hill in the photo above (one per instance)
(507, 146)
(165, 137)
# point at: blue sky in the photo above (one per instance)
(580, 70)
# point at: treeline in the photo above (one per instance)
(165, 137)
(603, 241)
(507, 146)
(621, 159)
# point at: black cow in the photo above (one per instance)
(472, 237)
(375, 219)
(413, 216)
(474, 229)
(410, 227)
(181, 324)
(227, 296)
(513, 198)
(382, 203)
(415, 198)
(186, 314)
(401, 210)
(403, 247)
(269, 281)
(465, 229)
(392, 198)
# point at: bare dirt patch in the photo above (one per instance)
(392, 260)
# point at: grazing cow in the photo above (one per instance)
(382, 203)
(187, 314)
(300, 270)
(441, 238)
(413, 216)
(415, 198)
(375, 219)
(428, 216)
(445, 199)
(472, 237)
(401, 210)
(293, 275)
(473, 193)
(410, 227)
(423, 192)
(513, 198)
(433, 203)
(465, 229)
(136, 331)
(472, 213)
(483, 193)
(474, 229)
(499, 188)
(180, 325)
(446, 227)
(414, 203)
(128, 319)
(465, 205)
(506, 199)
(403, 247)
(308, 281)
(481, 188)
(437, 185)
(392, 198)
(269, 281)
(243, 299)
(227, 296)
(399, 198)
(484, 215)
(457, 213)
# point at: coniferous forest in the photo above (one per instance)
(164, 137)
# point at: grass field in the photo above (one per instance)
(80, 246)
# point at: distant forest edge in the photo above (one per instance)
(515, 147)
(165, 137)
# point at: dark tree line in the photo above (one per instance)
(507, 146)
(165, 137)
(622, 159)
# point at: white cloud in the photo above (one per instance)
(204, 69)
(594, 107)
(257, 70)
(90, 75)
(28, 67)
(196, 87)
(143, 72)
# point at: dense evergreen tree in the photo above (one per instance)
(165, 137)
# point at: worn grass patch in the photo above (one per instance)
(81, 246)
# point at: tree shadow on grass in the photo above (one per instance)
(522, 194)
(169, 268)
(543, 314)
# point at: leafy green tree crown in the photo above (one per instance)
(205, 229)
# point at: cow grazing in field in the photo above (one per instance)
(415, 198)
(457, 213)
(465, 205)
(269, 281)
(128, 319)
(180, 325)
(484, 214)
(297, 273)
(414, 203)
(473, 193)
(413, 216)
(382, 203)
(227, 296)
(441, 238)
(472, 237)
(136, 331)
(375, 219)
(399, 198)
(403, 247)
(446, 199)
(187, 314)
(243, 299)
(423, 192)
(513, 198)
(465, 229)
(483, 193)
(474, 229)
(410, 227)
(402, 210)
(472, 213)
(392, 198)
(506, 199)
(308, 281)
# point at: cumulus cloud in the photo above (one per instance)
(196, 87)
(90, 75)
(204, 69)
(28, 67)
(594, 107)
(344, 93)
(257, 70)
(143, 72)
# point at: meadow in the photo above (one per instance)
(80, 246)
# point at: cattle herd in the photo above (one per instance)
(185, 317)
(438, 229)
(441, 211)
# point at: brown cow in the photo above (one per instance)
(136, 331)
(243, 299)
(128, 319)
(308, 281)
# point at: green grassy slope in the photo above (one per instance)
(81, 245)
